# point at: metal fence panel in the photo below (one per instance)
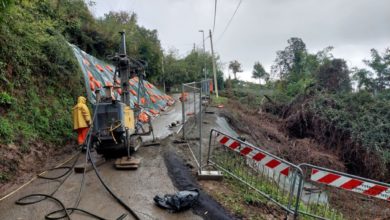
(194, 96)
(329, 194)
(268, 175)
(309, 191)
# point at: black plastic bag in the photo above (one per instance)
(178, 202)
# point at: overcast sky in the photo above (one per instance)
(261, 27)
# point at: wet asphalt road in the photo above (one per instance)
(136, 188)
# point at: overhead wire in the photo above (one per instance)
(214, 22)
(230, 21)
(205, 40)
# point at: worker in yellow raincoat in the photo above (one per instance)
(81, 119)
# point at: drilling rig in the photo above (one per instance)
(116, 128)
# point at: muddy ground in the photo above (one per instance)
(170, 167)
(162, 171)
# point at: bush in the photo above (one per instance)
(4, 177)
(39, 67)
(6, 99)
(6, 131)
(355, 125)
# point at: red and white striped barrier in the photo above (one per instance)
(253, 153)
(351, 184)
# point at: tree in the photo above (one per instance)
(229, 87)
(295, 67)
(189, 68)
(141, 43)
(380, 64)
(235, 66)
(121, 17)
(333, 76)
(259, 72)
(324, 55)
(290, 62)
(174, 68)
(364, 79)
(378, 78)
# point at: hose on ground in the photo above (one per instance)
(68, 170)
(123, 204)
(66, 212)
(88, 154)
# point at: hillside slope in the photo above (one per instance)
(41, 79)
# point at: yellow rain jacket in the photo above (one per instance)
(81, 114)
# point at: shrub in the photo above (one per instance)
(6, 99)
(6, 131)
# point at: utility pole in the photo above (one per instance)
(214, 67)
(204, 53)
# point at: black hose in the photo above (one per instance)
(68, 211)
(67, 174)
(69, 169)
(123, 204)
(45, 196)
(89, 137)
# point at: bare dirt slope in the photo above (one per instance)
(22, 166)
(264, 130)
(267, 132)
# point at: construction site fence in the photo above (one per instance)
(194, 97)
(330, 194)
(265, 174)
(304, 190)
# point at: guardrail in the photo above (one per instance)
(305, 190)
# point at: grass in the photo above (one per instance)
(218, 100)
(6, 131)
(4, 177)
(6, 99)
(243, 207)
(262, 181)
(40, 77)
